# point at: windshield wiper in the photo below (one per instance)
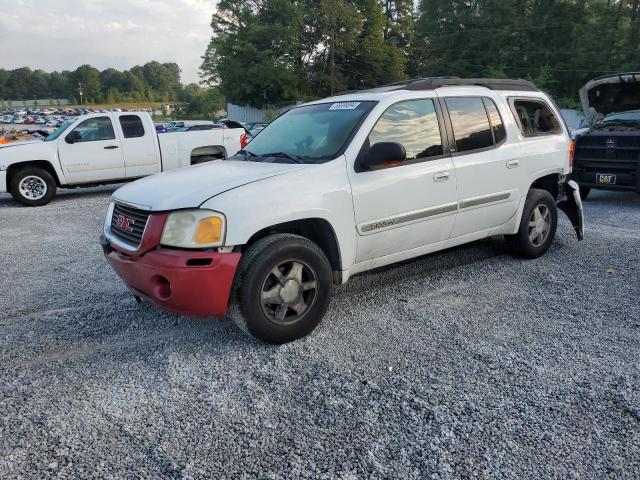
(294, 158)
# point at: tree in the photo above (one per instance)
(253, 54)
(201, 102)
(89, 78)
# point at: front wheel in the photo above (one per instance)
(33, 187)
(282, 288)
(537, 226)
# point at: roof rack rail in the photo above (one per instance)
(490, 83)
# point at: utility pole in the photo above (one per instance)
(80, 91)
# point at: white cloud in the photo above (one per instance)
(65, 34)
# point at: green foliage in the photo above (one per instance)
(273, 52)
(276, 51)
(559, 44)
(200, 103)
(153, 81)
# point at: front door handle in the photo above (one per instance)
(441, 177)
(110, 147)
(513, 163)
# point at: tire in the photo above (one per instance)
(533, 239)
(584, 192)
(292, 290)
(33, 186)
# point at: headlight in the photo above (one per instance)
(194, 229)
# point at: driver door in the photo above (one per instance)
(90, 152)
(405, 206)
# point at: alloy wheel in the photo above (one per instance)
(288, 292)
(33, 187)
(539, 225)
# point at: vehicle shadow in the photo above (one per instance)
(63, 194)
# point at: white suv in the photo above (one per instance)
(340, 186)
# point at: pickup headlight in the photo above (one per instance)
(194, 229)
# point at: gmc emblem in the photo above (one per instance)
(125, 223)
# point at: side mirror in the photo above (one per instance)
(73, 137)
(384, 153)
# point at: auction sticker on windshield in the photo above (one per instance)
(344, 106)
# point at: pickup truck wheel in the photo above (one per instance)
(33, 187)
(584, 192)
(537, 226)
(282, 288)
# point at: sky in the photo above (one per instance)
(64, 34)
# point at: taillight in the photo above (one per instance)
(243, 140)
(572, 154)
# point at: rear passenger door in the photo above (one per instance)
(487, 168)
(403, 206)
(139, 147)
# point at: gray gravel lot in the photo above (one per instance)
(463, 364)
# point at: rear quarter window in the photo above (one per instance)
(534, 117)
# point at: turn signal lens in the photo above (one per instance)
(209, 231)
(572, 154)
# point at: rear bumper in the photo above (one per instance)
(3, 181)
(181, 281)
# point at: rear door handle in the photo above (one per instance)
(110, 147)
(513, 163)
(441, 177)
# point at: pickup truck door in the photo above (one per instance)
(139, 146)
(409, 205)
(90, 152)
(488, 168)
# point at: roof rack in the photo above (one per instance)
(431, 83)
(490, 83)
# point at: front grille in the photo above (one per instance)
(134, 219)
(621, 154)
(600, 140)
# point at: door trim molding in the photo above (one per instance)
(376, 226)
(484, 199)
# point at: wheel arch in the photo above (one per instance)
(316, 229)
(14, 168)
(549, 182)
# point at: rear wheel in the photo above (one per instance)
(33, 186)
(282, 289)
(537, 226)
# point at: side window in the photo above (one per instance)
(535, 117)
(131, 126)
(470, 123)
(412, 123)
(92, 130)
(497, 126)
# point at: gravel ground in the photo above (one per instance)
(467, 363)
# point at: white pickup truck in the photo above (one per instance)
(340, 186)
(106, 148)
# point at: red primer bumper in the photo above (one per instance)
(163, 278)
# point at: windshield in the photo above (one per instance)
(633, 116)
(56, 133)
(311, 133)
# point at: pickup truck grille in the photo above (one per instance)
(600, 141)
(128, 224)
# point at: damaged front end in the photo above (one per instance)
(571, 204)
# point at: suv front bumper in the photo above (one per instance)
(191, 283)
